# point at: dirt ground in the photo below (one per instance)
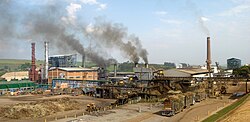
(80, 103)
(129, 112)
(151, 113)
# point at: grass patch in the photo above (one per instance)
(17, 61)
(224, 111)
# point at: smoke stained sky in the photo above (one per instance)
(169, 30)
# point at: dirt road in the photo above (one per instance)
(130, 113)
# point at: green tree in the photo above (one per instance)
(126, 67)
(243, 71)
(24, 67)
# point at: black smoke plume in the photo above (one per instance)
(115, 35)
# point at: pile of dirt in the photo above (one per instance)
(39, 108)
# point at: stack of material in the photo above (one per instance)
(38, 108)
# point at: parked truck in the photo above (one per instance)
(200, 95)
(173, 104)
(189, 99)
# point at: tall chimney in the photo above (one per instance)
(46, 56)
(115, 70)
(136, 64)
(33, 62)
(83, 60)
(208, 55)
(146, 65)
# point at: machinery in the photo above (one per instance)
(158, 74)
(91, 107)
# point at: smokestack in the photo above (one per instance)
(83, 61)
(146, 65)
(136, 64)
(46, 56)
(33, 62)
(115, 70)
(208, 55)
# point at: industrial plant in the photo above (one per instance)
(174, 89)
(82, 82)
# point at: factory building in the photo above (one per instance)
(143, 73)
(183, 65)
(118, 76)
(72, 73)
(186, 72)
(233, 63)
(86, 84)
(63, 60)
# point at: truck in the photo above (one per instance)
(200, 95)
(189, 99)
(173, 104)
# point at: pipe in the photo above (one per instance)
(33, 62)
(208, 54)
(83, 60)
(46, 56)
(115, 70)
(136, 64)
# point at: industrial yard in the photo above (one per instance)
(61, 108)
(37, 107)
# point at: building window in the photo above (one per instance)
(71, 77)
(77, 76)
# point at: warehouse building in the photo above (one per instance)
(72, 73)
(63, 60)
(16, 75)
(186, 72)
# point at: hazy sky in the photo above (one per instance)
(170, 30)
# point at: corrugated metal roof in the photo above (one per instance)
(142, 69)
(175, 73)
(194, 71)
(184, 72)
(62, 55)
(123, 73)
(73, 69)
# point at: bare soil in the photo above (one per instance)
(28, 108)
(62, 108)
(150, 112)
